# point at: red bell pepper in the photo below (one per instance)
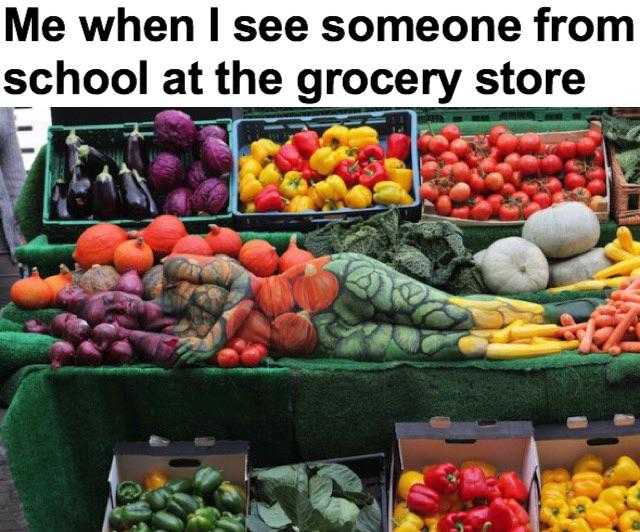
(477, 517)
(288, 158)
(473, 484)
(306, 142)
(370, 153)
(423, 500)
(269, 200)
(501, 516)
(442, 478)
(455, 522)
(308, 173)
(512, 487)
(349, 171)
(372, 173)
(520, 515)
(493, 491)
(398, 146)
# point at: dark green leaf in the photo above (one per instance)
(346, 479)
(340, 514)
(299, 510)
(255, 524)
(269, 479)
(273, 516)
(369, 518)
(320, 489)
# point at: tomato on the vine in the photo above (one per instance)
(460, 147)
(443, 205)
(506, 170)
(566, 150)
(438, 144)
(513, 160)
(494, 181)
(530, 188)
(461, 212)
(573, 165)
(598, 158)
(507, 143)
(460, 192)
(448, 157)
(596, 172)
(429, 191)
(542, 199)
(552, 184)
(520, 197)
(551, 164)
(476, 183)
(595, 135)
(481, 210)
(495, 200)
(507, 189)
(581, 194)
(529, 143)
(531, 208)
(528, 165)
(509, 212)
(596, 187)
(460, 172)
(450, 132)
(487, 165)
(423, 142)
(472, 159)
(429, 170)
(495, 132)
(585, 147)
(573, 180)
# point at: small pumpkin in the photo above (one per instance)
(133, 255)
(316, 290)
(60, 280)
(162, 233)
(259, 257)
(99, 278)
(255, 329)
(224, 241)
(97, 244)
(153, 282)
(294, 255)
(578, 268)
(275, 296)
(294, 334)
(191, 245)
(32, 292)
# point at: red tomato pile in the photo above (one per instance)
(508, 177)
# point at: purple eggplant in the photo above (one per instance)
(105, 196)
(136, 156)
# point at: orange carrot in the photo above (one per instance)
(630, 347)
(568, 335)
(567, 319)
(580, 334)
(605, 320)
(601, 335)
(614, 350)
(621, 328)
(570, 328)
(585, 341)
(635, 284)
(594, 348)
(629, 297)
(637, 327)
(606, 309)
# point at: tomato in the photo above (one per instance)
(427, 158)
(553, 185)
(438, 144)
(530, 187)
(598, 158)
(494, 181)
(566, 150)
(531, 208)
(596, 187)
(596, 172)
(460, 192)
(573, 180)
(528, 165)
(582, 195)
(460, 147)
(513, 160)
(448, 157)
(443, 205)
(529, 143)
(476, 183)
(262, 348)
(228, 358)
(429, 170)
(595, 135)
(543, 199)
(585, 147)
(429, 191)
(495, 200)
(509, 212)
(573, 165)
(506, 170)
(520, 197)
(487, 165)
(472, 159)
(559, 197)
(481, 210)
(423, 142)
(461, 212)
(507, 189)
(237, 344)
(551, 164)
(507, 143)
(445, 171)
(461, 172)
(450, 132)
(496, 154)
(251, 357)
(495, 132)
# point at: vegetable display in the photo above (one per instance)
(472, 497)
(340, 168)
(509, 177)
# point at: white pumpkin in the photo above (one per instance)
(513, 265)
(578, 268)
(479, 257)
(563, 230)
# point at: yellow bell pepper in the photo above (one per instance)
(571, 525)
(390, 193)
(412, 519)
(250, 208)
(399, 173)
(633, 497)
(270, 175)
(588, 463)
(623, 473)
(332, 188)
(359, 137)
(315, 197)
(244, 158)
(323, 160)
(344, 152)
(553, 510)
(293, 184)
(601, 515)
(488, 469)
(359, 197)
(603, 530)
(431, 523)
(555, 490)
(588, 484)
(616, 497)
(249, 189)
(629, 520)
(332, 205)
(555, 475)
(335, 136)
(400, 509)
(262, 150)
(578, 506)
(300, 204)
(407, 527)
(250, 166)
(154, 479)
(625, 238)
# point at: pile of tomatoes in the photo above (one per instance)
(508, 177)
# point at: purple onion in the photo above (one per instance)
(126, 321)
(104, 334)
(178, 202)
(71, 298)
(120, 352)
(216, 156)
(196, 175)
(210, 197)
(62, 354)
(164, 325)
(156, 348)
(166, 172)
(130, 283)
(212, 131)
(88, 354)
(174, 130)
(36, 327)
(70, 328)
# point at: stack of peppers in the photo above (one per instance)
(344, 167)
(592, 498)
(472, 498)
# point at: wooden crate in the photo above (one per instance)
(626, 112)
(626, 196)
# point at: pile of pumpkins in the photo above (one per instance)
(557, 248)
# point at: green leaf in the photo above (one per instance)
(273, 516)
(369, 518)
(341, 514)
(320, 488)
(255, 524)
(359, 498)
(298, 509)
(342, 476)
(290, 475)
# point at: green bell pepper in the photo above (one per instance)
(128, 492)
(165, 521)
(226, 524)
(140, 527)
(179, 485)
(123, 517)
(211, 513)
(228, 498)
(235, 517)
(117, 520)
(157, 499)
(182, 505)
(199, 499)
(206, 481)
(198, 523)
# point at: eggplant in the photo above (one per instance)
(134, 200)
(59, 203)
(72, 142)
(137, 158)
(152, 208)
(79, 193)
(94, 160)
(105, 196)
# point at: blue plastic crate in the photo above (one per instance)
(246, 131)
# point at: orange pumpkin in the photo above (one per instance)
(294, 255)
(294, 334)
(275, 297)
(224, 241)
(316, 290)
(191, 245)
(133, 255)
(162, 233)
(255, 329)
(31, 293)
(97, 244)
(59, 281)
(259, 257)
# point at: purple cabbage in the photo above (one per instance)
(196, 175)
(174, 130)
(178, 202)
(216, 156)
(212, 131)
(166, 172)
(210, 197)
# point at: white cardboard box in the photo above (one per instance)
(507, 445)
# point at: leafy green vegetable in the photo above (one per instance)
(623, 133)
(320, 489)
(273, 516)
(342, 476)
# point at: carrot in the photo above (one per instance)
(614, 350)
(606, 309)
(630, 297)
(580, 335)
(585, 341)
(568, 335)
(594, 348)
(567, 319)
(601, 335)
(637, 328)
(605, 321)
(635, 284)
(630, 347)
(571, 328)
(621, 328)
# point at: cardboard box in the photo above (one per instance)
(507, 445)
(132, 461)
